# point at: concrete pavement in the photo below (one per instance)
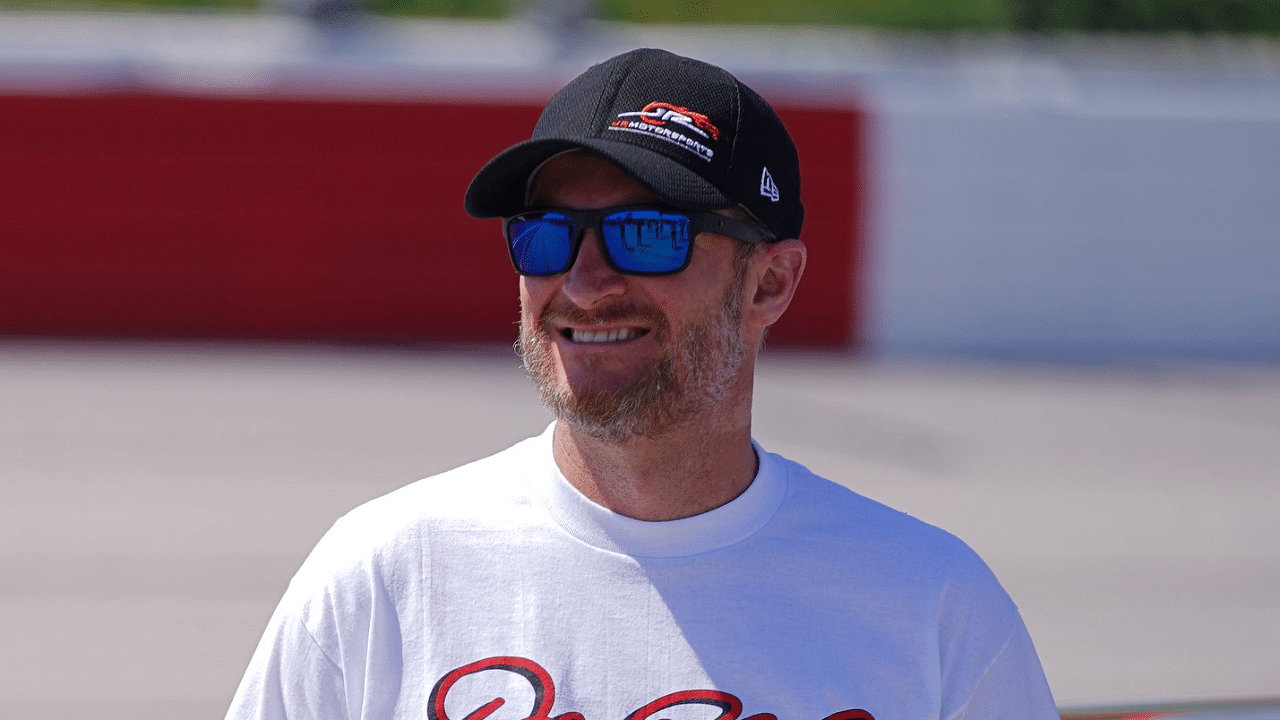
(157, 497)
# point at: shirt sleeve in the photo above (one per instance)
(289, 676)
(1013, 687)
(332, 650)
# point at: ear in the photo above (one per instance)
(776, 269)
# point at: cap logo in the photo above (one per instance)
(768, 188)
(653, 118)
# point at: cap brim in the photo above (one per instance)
(498, 190)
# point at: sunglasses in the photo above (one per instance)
(637, 239)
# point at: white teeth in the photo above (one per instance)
(600, 336)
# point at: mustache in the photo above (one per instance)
(629, 313)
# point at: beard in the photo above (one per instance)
(696, 369)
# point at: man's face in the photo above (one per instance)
(621, 355)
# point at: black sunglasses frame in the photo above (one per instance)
(700, 221)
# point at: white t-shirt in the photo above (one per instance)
(498, 591)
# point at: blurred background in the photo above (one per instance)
(238, 296)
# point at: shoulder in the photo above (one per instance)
(385, 532)
(480, 488)
(832, 509)
(849, 527)
(869, 549)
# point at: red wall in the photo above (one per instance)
(176, 216)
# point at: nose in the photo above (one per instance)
(591, 281)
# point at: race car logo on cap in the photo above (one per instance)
(653, 118)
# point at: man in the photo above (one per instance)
(643, 558)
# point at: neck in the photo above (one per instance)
(684, 471)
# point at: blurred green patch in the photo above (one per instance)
(1049, 16)
(922, 14)
(1150, 16)
(487, 9)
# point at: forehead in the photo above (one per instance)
(582, 181)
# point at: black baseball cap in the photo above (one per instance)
(687, 131)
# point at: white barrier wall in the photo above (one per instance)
(1093, 215)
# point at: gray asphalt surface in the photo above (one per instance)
(157, 498)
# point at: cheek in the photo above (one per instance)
(703, 285)
(533, 295)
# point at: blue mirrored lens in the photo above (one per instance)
(542, 246)
(646, 241)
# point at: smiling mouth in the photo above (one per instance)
(602, 336)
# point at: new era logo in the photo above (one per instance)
(768, 188)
